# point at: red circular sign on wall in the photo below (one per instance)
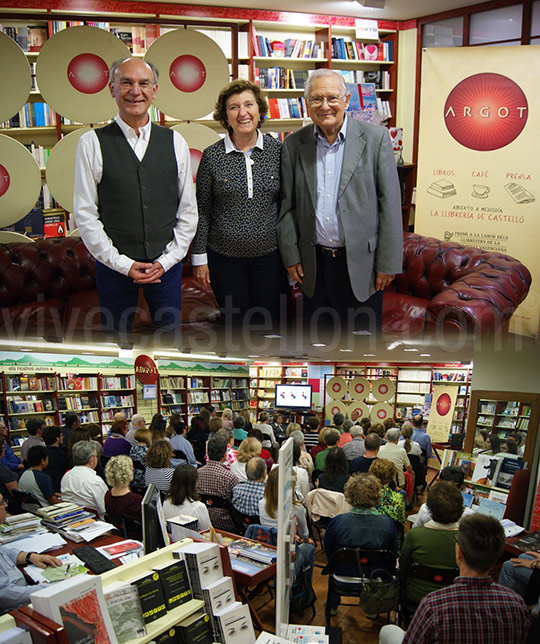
(486, 111)
(187, 73)
(88, 73)
(4, 180)
(146, 370)
(444, 403)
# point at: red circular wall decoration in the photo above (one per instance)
(146, 370)
(187, 73)
(486, 111)
(444, 402)
(88, 73)
(4, 180)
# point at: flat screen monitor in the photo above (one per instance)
(149, 392)
(293, 397)
(152, 515)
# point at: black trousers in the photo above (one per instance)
(334, 305)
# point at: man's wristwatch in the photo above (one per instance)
(28, 555)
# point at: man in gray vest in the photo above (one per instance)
(135, 203)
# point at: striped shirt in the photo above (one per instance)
(159, 476)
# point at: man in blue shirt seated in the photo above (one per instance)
(246, 496)
(421, 437)
(10, 458)
(14, 590)
(35, 481)
(362, 463)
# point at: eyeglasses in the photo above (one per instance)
(126, 85)
(317, 101)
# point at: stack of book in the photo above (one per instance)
(18, 526)
(203, 562)
(218, 597)
(73, 522)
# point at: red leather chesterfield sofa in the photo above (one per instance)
(449, 287)
(48, 289)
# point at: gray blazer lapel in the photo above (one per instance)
(308, 157)
(354, 147)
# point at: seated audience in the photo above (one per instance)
(492, 445)
(264, 425)
(247, 494)
(137, 453)
(157, 428)
(355, 447)
(372, 443)
(247, 449)
(137, 422)
(81, 484)
(268, 507)
(239, 432)
(95, 434)
(473, 609)
(265, 454)
(304, 461)
(77, 435)
(517, 437)
(396, 454)
(410, 446)
(10, 459)
(158, 465)
(71, 422)
(58, 459)
(116, 443)
(8, 484)
(215, 424)
(311, 434)
(198, 435)
(183, 498)
(331, 438)
(363, 527)
(34, 427)
(392, 503)
(216, 479)
(433, 544)
(14, 589)
(120, 501)
(248, 426)
(337, 422)
(389, 423)
(336, 471)
(449, 473)
(346, 436)
(180, 442)
(227, 434)
(508, 446)
(34, 480)
(516, 573)
(227, 418)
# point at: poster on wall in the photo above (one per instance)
(478, 177)
(442, 412)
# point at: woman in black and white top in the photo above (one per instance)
(235, 249)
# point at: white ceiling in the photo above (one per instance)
(394, 9)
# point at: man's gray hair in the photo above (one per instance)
(119, 61)
(136, 420)
(217, 448)
(392, 435)
(356, 430)
(255, 468)
(82, 452)
(298, 437)
(320, 73)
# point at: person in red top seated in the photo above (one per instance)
(120, 501)
(265, 454)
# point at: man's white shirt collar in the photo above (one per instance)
(231, 147)
(341, 134)
(129, 132)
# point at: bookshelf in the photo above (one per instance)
(79, 393)
(117, 393)
(263, 381)
(229, 392)
(502, 413)
(172, 396)
(197, 395)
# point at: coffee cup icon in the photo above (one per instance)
(480, 191)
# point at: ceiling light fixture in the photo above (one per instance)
(372, 4)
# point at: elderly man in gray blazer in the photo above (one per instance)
(339, 228)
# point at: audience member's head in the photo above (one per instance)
(378, 428)
(493, 444)
(392, 435)
(227, 414)
(239, 422)
(417, 421)
(407, 432)
(34, 426)
(120, 415)
(143, 436)
(338, 419)
(292, 427)
(296, 454)
(226, 434)
(217, 448)
(356, 430)
(183, 486)
(256, 469)
(204, 416)
(37, 455)
(313, 423)
(256, 433)
(245, 415)
(363, 491)
(389, 423)
(119, 471)
(94, 431)
(52, 435)
(508, 446)
(264, 417)
(76, 436)
(347, 424)
(215, 424)
(119, 427)
(248, 449)
(298, 437)
(176, 425)
(517, 437)
(336, 464)
(138, 421)
(159, 454)
(271, 492)
(372, 442)
(84, 453)
(445, 502)
(72, 420)
(331, 437)
(354, 415)
(384, 470)
(453, 474)
(480, 542)
(157, 427)
(365, 424)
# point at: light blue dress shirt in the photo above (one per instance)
(328, 228)
(14, 590)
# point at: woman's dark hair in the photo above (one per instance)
(157, 426)
(177, 424)
(511, 446)
(76, 435)
(159, 454)
(237, 87)
(445, 502)
(118, 427)
(296, 454)
(336, 463)
(183, 485)
(495, 443)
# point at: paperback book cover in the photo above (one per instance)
(195, 630)
(150, 595)
(235, 625)
(125, 611)
(174, 582)
(507, 470)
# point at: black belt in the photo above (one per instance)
(332, 252)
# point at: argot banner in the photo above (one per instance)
(478, 168)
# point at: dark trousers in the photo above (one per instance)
(247, 288)
(334, 305)
(118, 296)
